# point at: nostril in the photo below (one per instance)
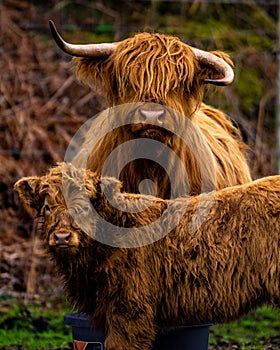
(142, 116)
(161, 117)
(62, 237)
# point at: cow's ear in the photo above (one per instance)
(224, 56)
(209, 73)
(27, 189)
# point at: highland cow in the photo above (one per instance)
(156, 74)
(216, 273)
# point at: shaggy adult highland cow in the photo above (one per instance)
(156, 74)
(218, 272)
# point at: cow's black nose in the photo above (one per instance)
(154, 117)
(62, 238)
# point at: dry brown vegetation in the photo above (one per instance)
(42, 106)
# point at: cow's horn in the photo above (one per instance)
(216, 63)
(87, 50)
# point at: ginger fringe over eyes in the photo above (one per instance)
(148, 67)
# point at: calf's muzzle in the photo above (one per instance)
(60, 238)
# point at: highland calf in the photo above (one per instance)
(161, 80)
(215, 271)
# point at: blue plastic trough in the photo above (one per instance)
(85, 337)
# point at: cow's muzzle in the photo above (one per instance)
(150, 120)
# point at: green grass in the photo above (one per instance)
(41, 325)
(250, 332)
(34, 326)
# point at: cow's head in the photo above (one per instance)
(150, 68)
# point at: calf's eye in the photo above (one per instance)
(47, 209)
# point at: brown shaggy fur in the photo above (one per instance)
(229, 265)
(161, 69)
(210, 151)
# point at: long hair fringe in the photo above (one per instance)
(148, 67)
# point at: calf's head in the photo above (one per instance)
(54, 214)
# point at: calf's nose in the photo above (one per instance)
(62, 238)
(154, 117)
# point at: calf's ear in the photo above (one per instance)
(27, 188)
(110, 187)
